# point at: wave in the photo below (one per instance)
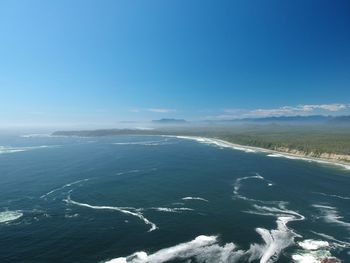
(202, 248)
(195, 198)
(310, 244)
(128, 172)
(118, 209)
(63, 187)
(308, 159)
(35, 135)
(313, 256)
(275, 240)
(207, 248)
(145, 143)
(331, 215)
(250, 149)
(335, 196)
(216, 142)
(278, 239)
(9, 216)
(13, 149)
(313, 251)
(331, 238)
(171, 210)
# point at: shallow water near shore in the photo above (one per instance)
(164, 199)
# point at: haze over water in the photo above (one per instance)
(161, 199)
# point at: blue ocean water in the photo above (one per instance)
(163, 199)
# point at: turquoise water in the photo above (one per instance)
(159, 199)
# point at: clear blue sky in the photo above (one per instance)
(100, 62)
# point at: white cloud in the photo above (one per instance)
(302, 109)
(161, 110)
(328, 107)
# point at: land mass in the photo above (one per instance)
(324, 142)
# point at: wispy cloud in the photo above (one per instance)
(329, 107)
(160, 110)
(154, 110)
(302, 109)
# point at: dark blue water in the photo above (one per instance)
(157, 199)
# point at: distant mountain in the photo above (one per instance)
(312, 119)
(341, 120)
(170, 121)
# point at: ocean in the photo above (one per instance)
(166, 199)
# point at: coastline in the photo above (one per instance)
(270, 153)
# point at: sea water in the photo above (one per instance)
(166, 199)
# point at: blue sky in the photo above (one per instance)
(102, 62)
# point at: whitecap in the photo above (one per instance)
(9, 216)
(144, 143)
(171, 210)
(35, 135)
(310, 244)
(337, 242)
(203, 248)
(194, 198)
(15, 149)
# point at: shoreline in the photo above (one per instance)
(268, 152)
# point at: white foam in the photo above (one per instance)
(331, 215)
(203, 248)
(8, 216)
(308, 159)
(171, 210)
(118, 209)
(194, 198)
(276, 240)
(310, 244)
(206, 248)
(331, 238)
(251, 149)
(335, 196)
(35, 135)
(12, 149)
(316, 256)
(238, 183)
(128, 172)
(145, 143)
(216, 142)
(63, 187)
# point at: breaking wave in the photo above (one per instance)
(217, 142)
(250, 149)
(12, 149)
(171, 210)
(275, 240)
(195, 198)
(145, 143)
(36, 135)
(207, 248)
(9, 216)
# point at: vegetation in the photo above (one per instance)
(315, 140)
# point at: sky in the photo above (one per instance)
(102, 63)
